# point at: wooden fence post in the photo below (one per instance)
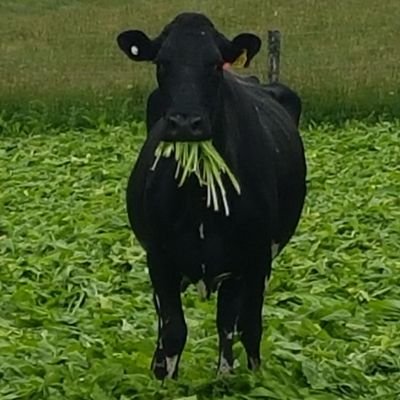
(274, 55)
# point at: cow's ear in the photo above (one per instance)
(242, 49)
(137, 45)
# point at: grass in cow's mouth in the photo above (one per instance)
(203, 160)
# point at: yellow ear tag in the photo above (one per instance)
(241, 61)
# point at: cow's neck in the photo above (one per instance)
(226, 125)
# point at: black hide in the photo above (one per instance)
(254, 127)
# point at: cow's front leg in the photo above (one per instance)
(227, 314)
(172, 330)
(250, 316)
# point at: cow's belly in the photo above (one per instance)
(203, 257)
(204, 245)
(211, 247)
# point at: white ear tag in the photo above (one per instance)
(135, 50)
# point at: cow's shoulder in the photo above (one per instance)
(273, 99)
(248, 94)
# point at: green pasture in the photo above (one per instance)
(76, 315)
(60, 56)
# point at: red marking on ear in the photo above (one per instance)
(226, 65)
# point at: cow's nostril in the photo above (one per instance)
(184, 125)
(174, 121)
(195, 123)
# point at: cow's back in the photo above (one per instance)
(270, 155)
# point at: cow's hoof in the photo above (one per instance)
(225, 367)
(164, 367)
(159, 365)
(224, 371)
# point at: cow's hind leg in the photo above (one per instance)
(250, 316)
(227, 315)
(172, 327)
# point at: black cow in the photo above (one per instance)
(198, 100)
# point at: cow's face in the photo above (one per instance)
(190, 55)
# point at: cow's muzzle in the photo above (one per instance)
(186, 128)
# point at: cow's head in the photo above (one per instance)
(190, 55)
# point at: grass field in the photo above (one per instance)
(76, 318)
(342, 56)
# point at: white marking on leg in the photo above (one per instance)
(203, 268)
(254, 363)
(274, 249)
(201, 231)
(158, 364)
(171, 365)
(224, 368)
(201, 289)
(266, 284)
(157, 300)
(236, 326)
